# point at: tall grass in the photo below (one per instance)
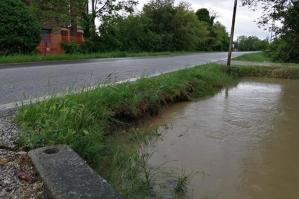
(81, 120)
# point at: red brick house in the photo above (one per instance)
(52, 37)
(54, 32)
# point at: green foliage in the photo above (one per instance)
(285, 48)
(203, 14)
(19, 30)
(251, 43)
(161, 26)
(70, 47)
(51, 12)
(80, 120)
(218, 39)
(57, 12)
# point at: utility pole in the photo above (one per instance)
(232, 35)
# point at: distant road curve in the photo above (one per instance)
(24, 81)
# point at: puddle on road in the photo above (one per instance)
(243, 141)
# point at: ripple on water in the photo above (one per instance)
(245, 139)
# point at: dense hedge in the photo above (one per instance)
(19, 30)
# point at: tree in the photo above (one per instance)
(285, 46)
(218, 39)
(161, 26)
(19, 30)
(251, 43)
(203, 14)
(53, 13)
(103, 9)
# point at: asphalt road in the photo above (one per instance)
(24, 81)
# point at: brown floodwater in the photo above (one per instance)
(243, 142)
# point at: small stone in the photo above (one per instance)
(3, 162)
(22, 175)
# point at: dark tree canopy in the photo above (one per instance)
(203, 14)
(161, 26)
(19, 30)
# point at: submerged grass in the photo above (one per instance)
(69, 57)
(254, 57)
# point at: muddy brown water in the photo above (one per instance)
(243, 142)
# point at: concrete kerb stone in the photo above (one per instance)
(67, 176)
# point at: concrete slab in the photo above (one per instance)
(67, 176)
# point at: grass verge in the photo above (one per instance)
(69, 57)
(283, 72)
(81, 120)
(254, 57)
(98, 123)
(90, 121)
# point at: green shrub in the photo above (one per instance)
(285, 49)
(70, 47)
(19, 30)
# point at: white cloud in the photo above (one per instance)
(245, 21)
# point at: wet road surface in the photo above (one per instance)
(25, 81)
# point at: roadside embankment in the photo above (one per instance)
(283, 72)
(81, 120)
(91, 122)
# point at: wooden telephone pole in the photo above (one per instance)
(232, 35)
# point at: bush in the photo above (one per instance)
(90, 46)
(285, 49)
(70, 47)
(19, 30)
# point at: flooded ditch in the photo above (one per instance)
(241, 143)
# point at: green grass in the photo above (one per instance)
(88, 121)
(98, 124)
(82, 119)
(282, 72)
(254, 57)
(69, 57)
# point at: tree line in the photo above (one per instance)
(159, 26)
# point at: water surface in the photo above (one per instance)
(244, 141)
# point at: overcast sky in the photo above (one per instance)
(245, 22)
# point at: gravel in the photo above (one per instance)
(8, 133)
(18, 178)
